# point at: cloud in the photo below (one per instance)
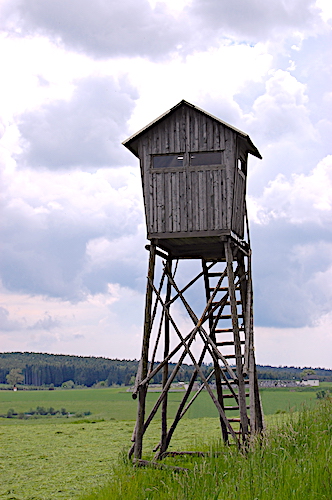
(101, 325)
(84, 131)
(47, 323)
(292, 238)
(134, 28)
(52, 221)
(8, 324)
(102, 29)
(299, 199)
(254, 20)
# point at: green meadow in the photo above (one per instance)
(62, 457)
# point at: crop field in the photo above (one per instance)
(61, 457)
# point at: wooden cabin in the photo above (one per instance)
(194, 169)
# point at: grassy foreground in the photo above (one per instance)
(292, 461)
(59, 458)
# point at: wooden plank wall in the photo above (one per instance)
(189, 198)
(238, 204)
(187, 201)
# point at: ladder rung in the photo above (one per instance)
(233, 383)
(227, 303)
(230, 356)
(228, 316)
(231, 343)
(227, 330)
(221, 289)
(234, 408)
(232, 396)
(235, 419)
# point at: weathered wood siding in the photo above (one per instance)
(187, 198)
(239, 203)
(184, 201)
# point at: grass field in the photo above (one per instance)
(117, 403)
(291, 461)
(60, 457)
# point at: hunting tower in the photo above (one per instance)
(194, 170)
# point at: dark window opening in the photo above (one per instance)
(168, 161)
(206, 158)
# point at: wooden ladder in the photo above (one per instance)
(227, 331)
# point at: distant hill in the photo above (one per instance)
(40, 369)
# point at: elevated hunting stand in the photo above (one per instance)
(194, 169)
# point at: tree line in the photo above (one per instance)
(41, 369)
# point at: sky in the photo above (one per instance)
(77, 79)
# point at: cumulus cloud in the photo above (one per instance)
(102, 28)
(300, 199)
(84, 131)
(257, 19)
(8, 324)
(50, 220)
(100, 325)
(291, 231)
(47, 323)
(132, 28)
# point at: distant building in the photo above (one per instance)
(311, 382)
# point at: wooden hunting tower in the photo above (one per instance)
(194, 169)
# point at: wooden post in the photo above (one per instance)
(145, 355)
(166, 352)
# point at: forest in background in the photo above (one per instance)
(42, 369)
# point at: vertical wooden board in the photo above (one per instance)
(161, 141)
(216, 189)
(188, 131)
(221, 200)
(194, 197)
(177, 136)
(175, 201)
(155, 139)
(239, 205)
(160, 202)
(155, 193)
(222, 136)
(179, 130)
(183, 130)
(230, 172)
(170, 135)
(200, 133)
(183, 201)
(172, 201)
(210, 134)
(203, 145)
(216, 136)
(223, 206)
(166, 137)
(209, 200)
(205, 199)
(151, 204)
(201, 201)
(169, 215)
(189, 202)
(195, 146)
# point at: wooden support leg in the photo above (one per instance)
(144, 357)
(165, 369)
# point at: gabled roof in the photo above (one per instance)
(251, 147)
